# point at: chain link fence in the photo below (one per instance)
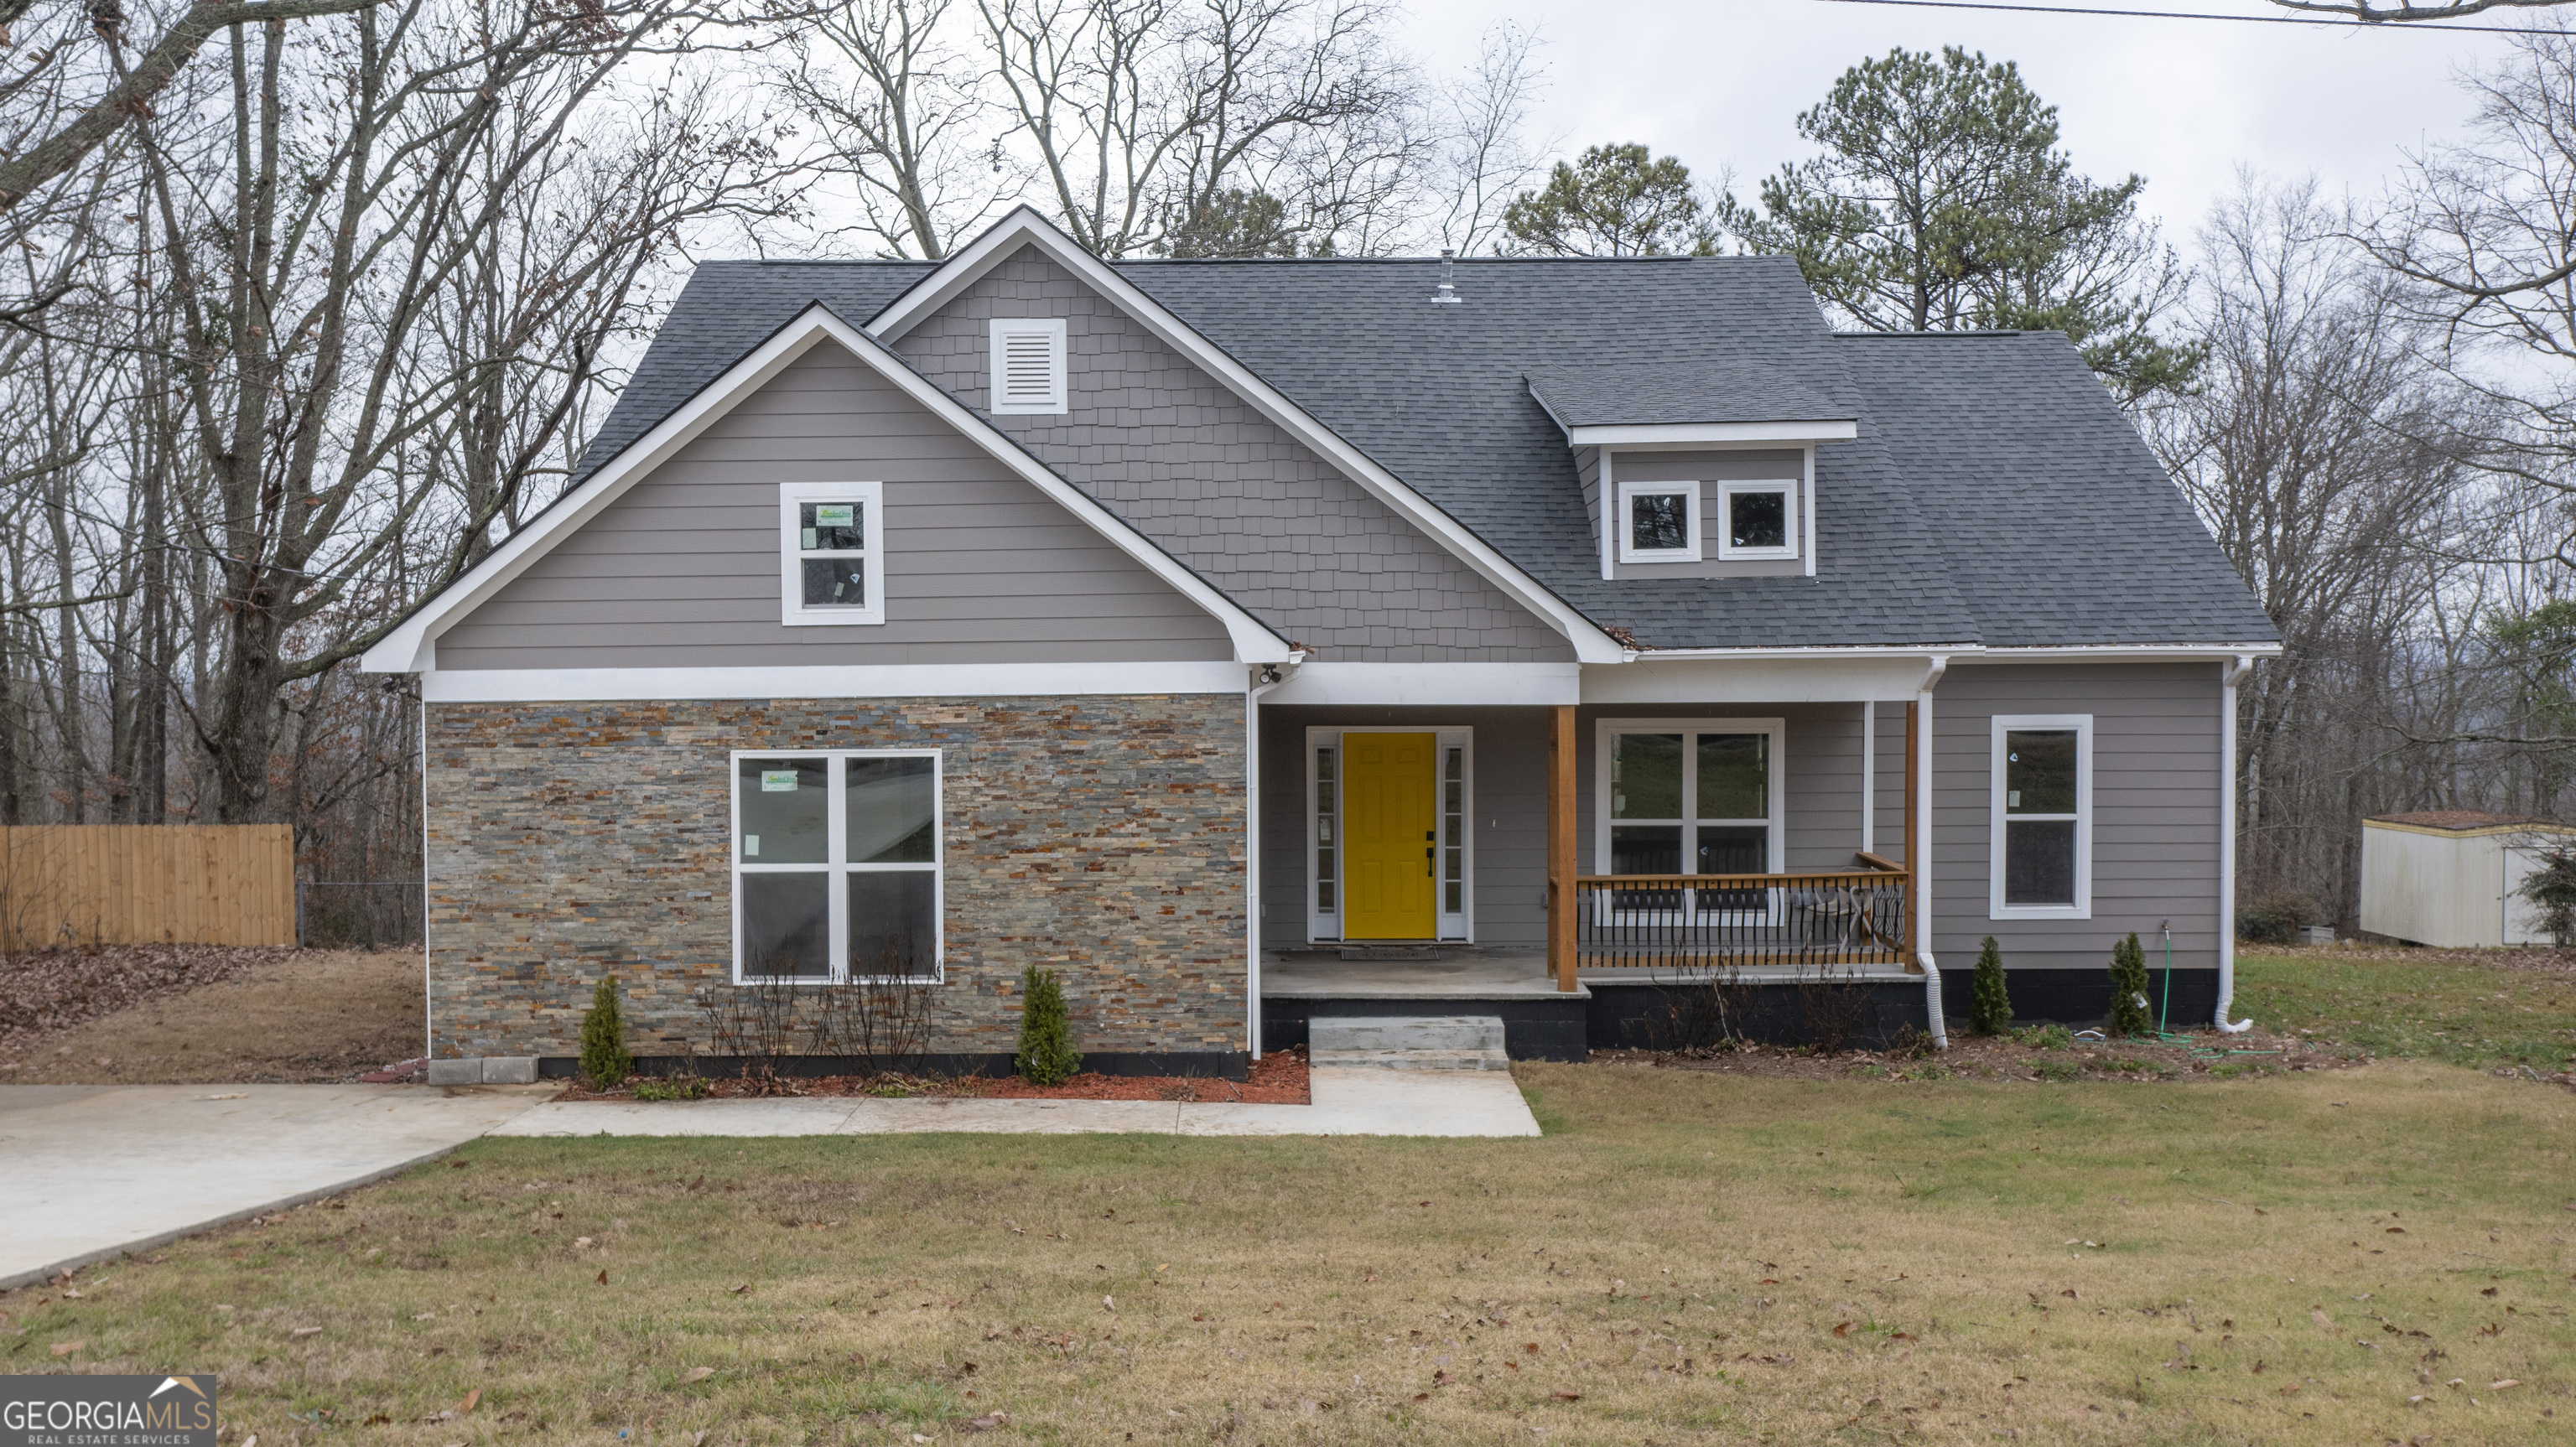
(358, 913)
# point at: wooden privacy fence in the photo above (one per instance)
(129, 884)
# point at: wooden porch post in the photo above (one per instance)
(1913, 844)
(1560, 849)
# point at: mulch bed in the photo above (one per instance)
(1278, 1078)
(46, 990)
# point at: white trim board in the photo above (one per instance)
(1687, 434)
(1025, 227)
(1455, 684)
(2000, 726)
(885, 680)
(410, 647)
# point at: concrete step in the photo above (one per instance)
(1407, 1042)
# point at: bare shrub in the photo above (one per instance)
(1834, 1008)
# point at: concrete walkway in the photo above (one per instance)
(1346, 1102)
(97, 1170)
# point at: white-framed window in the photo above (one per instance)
(1659, 522)
(1757, 520)
(1028, 365)
(831, 549)
(1689, 796)
(837, 861)
(2041, 851)
(1453, 842)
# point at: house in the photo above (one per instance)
(1253, 641)
(2454, 877)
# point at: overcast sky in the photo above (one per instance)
(1720, 82)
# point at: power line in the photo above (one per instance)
(2383, 25)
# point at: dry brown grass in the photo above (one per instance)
(282, 1016)
(1683, 1258)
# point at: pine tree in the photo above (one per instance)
(1047, 1056)
(2129, 1014)
(605, 1062)
(1989, 1004)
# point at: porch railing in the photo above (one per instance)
(1851, 917)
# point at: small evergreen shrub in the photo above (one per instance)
(604, 1061)
(2129, 1013)
(1047, 1056)
(1989, 1004)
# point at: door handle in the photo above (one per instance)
(1427, 868)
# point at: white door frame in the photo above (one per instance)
(1323, 925)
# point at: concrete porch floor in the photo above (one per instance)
(1460, 974)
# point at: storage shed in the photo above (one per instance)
(2450, 877)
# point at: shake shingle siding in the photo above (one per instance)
(1224, 489)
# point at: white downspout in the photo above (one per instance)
(1252, 844)
(1918, 850)
(2233, 674)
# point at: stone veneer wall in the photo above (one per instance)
(1099, 836)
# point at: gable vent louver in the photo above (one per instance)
(1028, 365)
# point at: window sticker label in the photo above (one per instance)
(778, 781)
(751, 846)
(809, 544)
(836, 515)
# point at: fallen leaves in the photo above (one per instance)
(66, 1348)
(305, 1331)
(700, 1374)
(1567, 1396)
(2323, 1321)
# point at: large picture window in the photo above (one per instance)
(836, 866)
(2042, 811)
(1689, 796)
(832, 552)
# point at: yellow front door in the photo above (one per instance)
(1387, 823)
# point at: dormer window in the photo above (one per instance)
(1757, 520)
(832, 552)
(1028, 365)
(1659, 522)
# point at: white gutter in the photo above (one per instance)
(1918, 850)
(2233, 675)
(1252, 844)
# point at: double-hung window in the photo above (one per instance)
(832, 552)
(2042, 817)
(1757, 520)
(836, 865)
(1659, 522)
(1690, 796)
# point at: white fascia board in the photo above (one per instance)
(2122, 653)
(1025, 227)
(407, 648)
(890, 680)
(1737, 433)
(1859, 678)
(1432, 684)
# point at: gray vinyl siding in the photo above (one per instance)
(1224, 489)
(2155, 810)
(980, 567)
(1708, 469)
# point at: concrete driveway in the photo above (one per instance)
(95, 1170)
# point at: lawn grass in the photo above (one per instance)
(1683, 1258)
(2484, 1009)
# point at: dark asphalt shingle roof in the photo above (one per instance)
(1649, 394)
(1994, 495)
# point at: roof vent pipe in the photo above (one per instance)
(1448, 293)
